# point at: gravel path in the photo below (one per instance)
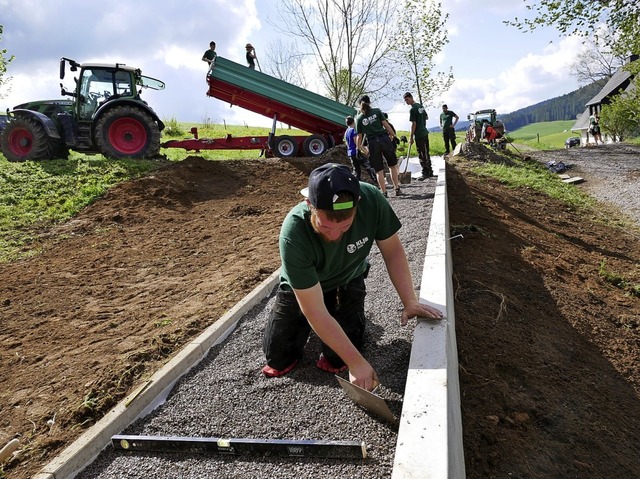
(611, 173)
(227, 396)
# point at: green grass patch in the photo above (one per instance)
(618, 280)
(39, 194)
(548, 135)
(528, 174)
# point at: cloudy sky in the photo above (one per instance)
(495, 66)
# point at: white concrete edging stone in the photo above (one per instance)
(86, 448)
(429, 442)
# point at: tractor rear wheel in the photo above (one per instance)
(284, 146)
(127, 131)
(315, 145)
(26, 139)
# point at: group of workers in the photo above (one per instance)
(210, 55)
(325, 241)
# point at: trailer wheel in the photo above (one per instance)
(127, 131)
(26, 139)
(285, 146)
(315, 145)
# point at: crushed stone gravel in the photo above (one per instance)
(227, 396)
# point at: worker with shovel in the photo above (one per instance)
(324, 247)
(251, 56)
(418, 117)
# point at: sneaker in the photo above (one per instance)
(398, 192)
(324, 364)
(426, 176)
(276, 373)
(386, 195)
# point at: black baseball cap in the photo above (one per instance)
(365, 99)
(408, 94)
(326, 181)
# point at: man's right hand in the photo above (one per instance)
(363, 375)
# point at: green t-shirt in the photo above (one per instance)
(307, 259)
(371, 123)
(210, 54)
(446, 119)
(419, 115)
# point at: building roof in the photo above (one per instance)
(582, 123)
(614, 84)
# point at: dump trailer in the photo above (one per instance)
(276, 99)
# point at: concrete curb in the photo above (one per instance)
(87, 447)
(430, 433)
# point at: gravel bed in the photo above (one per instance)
(611, 173)
(227, 396)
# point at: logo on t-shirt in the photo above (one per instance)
(371, 119)
(352, 248)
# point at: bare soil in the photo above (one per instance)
(549, 346)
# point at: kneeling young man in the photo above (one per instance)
(324, 246)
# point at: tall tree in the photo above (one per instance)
(582, 17)
(595, 63)
(420, 36)
(4, 64)
(349, 40)
(284, 61)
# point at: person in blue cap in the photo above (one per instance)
(324, 247)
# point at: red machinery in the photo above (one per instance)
(261, 93)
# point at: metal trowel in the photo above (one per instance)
(368, 400)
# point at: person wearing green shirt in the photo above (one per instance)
(418, 117)
(448, 120)
(325, 242)
(370, 122)
(210, 55)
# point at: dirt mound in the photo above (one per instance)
(477, 151)
(548, 337)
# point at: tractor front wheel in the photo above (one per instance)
(26, 139)
(127, 132)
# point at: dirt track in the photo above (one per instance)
(549, 348)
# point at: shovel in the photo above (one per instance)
(368, 400)
(405, 176)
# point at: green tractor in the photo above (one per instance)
(478, 119)
(105, 115)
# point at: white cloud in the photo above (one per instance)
(508, 71)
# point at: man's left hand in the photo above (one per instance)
(418, 309)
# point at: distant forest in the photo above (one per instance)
(565, 107)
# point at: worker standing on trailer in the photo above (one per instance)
(251, 56)
(418, 117)
(324, 247)
(210, 55)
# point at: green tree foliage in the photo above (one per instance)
(420, 36)
(4, 64)
(582, 17)
(621, 117)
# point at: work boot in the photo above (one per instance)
(426, 175)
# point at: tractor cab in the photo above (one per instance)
(101, 83)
